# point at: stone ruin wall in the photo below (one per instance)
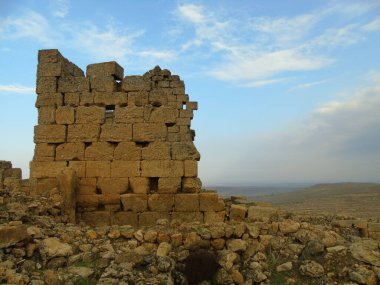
(127, 139)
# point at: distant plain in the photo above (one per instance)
(360, 200)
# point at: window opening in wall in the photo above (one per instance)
(184, 107)
(98, 190)
(153, 184)
(110, 112)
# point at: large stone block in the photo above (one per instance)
(191, 168)
(169, 184)
(139, 98)
(156, 151)
(129, 114)
(139, 185)
(158, 98)
(184, 151)
(43, 169)
(44, 150)
(90, 115)
(98, 169)
(214, 217)
(186, 203)
(49, 56)
(12, 234)
(121, 168)
(163, 114)
(96, 219)
(46, 85)
(134, 202)
(161, 202)
(161, 168)
(44, 186)
(70, 151)
(87, 186)
(109, 199)
(149, 132)
(191, 105)
(79, 167)
(113, 185)
(104, 84)
(135, 83)
(191, 185)
(68, 185)
(73, 84)
(64, 115)
(105, 69)
(46, 115)
(100, 151)
(238, 213)
(124, 218)
(151, 218)
(88, 201)
(116, 132)
(186, 114)
(86, 99)
(127, 151)
(188, 217)
(110, 98)
(258, 213)
(209, 201)
(72, 99)
(49, 134)
(83, 133)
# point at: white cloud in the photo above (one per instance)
(16, 89)
(255, 50)
(110, 43)
(60, 8)
(307, 85)
(156, 54)
(191, 12)
(372, 26)
(263, 66)
(29, 25)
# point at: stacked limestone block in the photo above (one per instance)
(10, 177)
(127, 138)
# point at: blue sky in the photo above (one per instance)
(288, 91)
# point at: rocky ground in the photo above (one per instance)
(37, 247)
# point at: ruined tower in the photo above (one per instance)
(128, 139)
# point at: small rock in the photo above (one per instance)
(366, 251)
(285, 267)
(52, 247)
(363, 275)
(311, 269)
(114, 234)
(163, 249)
(150, 236)
(237, 245)
(83, 272)
(335, 249)
(12, 234)
(288, 226)
(91, 234)
(139, 235)
(237, 277)
(227, 259)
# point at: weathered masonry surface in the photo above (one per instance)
(127, 139)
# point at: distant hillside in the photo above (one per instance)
(257, 190)
(354, 199)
